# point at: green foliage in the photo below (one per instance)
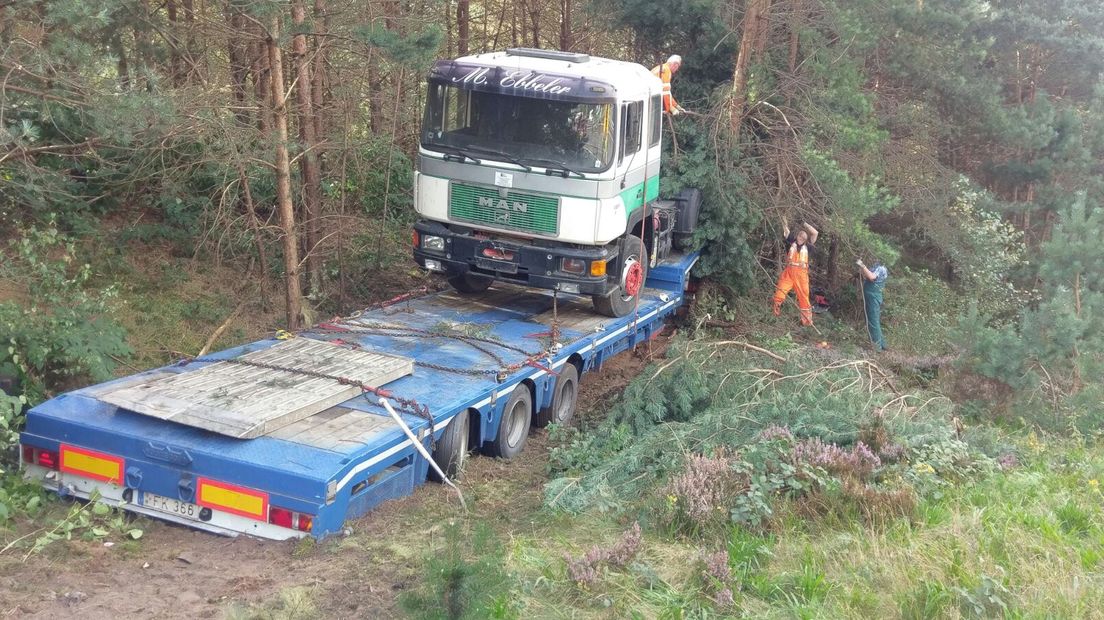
(711, 401)
(64, 334)
(464, 579)
(1053, 355)
(93, 520)
(414, 50)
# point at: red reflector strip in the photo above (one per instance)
(232, 498)
(89, 463)
(28, 454)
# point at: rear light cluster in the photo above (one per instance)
(290, 519)
(38, 456)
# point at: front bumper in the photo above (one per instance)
(520, 262)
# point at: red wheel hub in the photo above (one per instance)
(633, 279)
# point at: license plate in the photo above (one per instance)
(495, 265)
(177, 507)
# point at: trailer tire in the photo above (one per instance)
(513, 429)
(470, 282)
(564, 397)
(633, 273)
(452, 447)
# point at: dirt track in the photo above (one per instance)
(183, 573)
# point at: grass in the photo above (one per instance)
(295, 603)
(1028, 542)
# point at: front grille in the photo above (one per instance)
(532, 213)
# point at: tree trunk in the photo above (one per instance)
(534, 18)
(462, 30)
(750, 39)
(308, 161)
(262, 87)
(239, 64)
(448, 28)
(319, 76)
(254, 222)
(121, 65)
(192, 73)
(501, 25)
(176, 63)
(375, 99)
(796, 22)
(293, 294)
(565, 25)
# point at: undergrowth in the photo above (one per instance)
(464, 578)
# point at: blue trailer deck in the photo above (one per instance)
(473, 355)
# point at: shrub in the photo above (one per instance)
(716, 576)
(702, 494)
(64, 335)
(465, 579)
(858, 462)
(584, 570)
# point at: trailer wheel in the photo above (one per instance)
(452, 447)
(633, 273)
(513, 429)
(470, 282)
(564, 397)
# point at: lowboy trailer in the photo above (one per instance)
(285, 438)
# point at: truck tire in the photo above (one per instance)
(470, 282)
(513, 429)
(564, 397)
(452, 447)
(633, 272)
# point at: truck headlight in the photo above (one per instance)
(431, 242)
(433, 265)
(573, 265)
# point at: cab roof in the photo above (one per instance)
(627, 79)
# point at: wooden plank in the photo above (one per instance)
(335, 427)
(249, 401)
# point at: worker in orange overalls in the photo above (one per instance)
(664, 72)
(795, 275)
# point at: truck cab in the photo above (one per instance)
(542, 168)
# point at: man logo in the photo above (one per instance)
(503, 205)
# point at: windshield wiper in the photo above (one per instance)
(497, 153)
(551, 164)
(452, 150)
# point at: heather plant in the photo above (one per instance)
(585, 570)
(858, 462)
(701, 496)
(716, 577)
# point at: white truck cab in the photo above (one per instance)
(542, 167)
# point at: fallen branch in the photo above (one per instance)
(750, 347)
(221, 328)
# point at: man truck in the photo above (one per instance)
(542, 168)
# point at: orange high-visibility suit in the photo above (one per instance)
(663, 72)
(795, 277)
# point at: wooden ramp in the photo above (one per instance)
(248, 401)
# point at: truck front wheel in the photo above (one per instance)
(632, 274)
(470, 282)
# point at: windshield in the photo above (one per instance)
(577, 135)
